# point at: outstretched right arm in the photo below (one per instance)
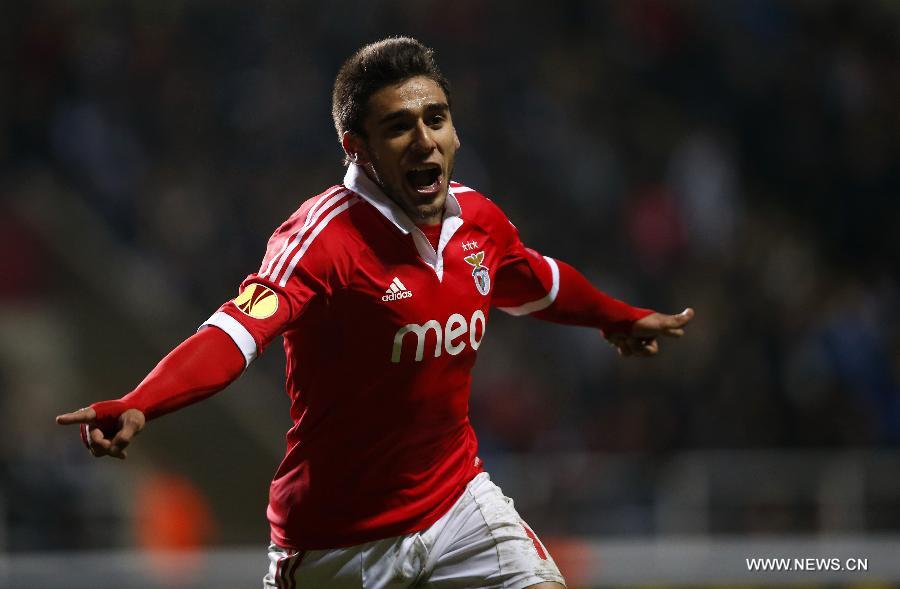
(202, 365)
(293, 271)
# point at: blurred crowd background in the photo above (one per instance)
(739, 157)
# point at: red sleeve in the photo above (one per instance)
(203, 364)
(528, 283)
(579, 303)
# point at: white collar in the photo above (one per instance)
(359, 182)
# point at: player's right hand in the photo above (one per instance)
(105, 441)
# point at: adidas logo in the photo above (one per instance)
(396, 291)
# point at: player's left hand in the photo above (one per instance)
(642, 340)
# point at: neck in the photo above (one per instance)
(428, 221)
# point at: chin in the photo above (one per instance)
(426, 211)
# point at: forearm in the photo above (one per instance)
(578, 302)
(202, 365)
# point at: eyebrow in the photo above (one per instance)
(403, 112)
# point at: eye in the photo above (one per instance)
(398, 128)
(436, 121)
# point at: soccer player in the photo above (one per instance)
(381, 287)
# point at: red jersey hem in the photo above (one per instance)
(363, 536)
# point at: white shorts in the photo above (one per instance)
(480, 543)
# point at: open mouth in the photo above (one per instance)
(425, 179)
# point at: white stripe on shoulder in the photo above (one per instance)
(312, 236)
(235, 331)
(460, 189)
(300, 235)
(541, 303)
(310, 215)
(312, 210)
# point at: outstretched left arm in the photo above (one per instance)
(571, 299)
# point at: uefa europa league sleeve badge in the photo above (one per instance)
(479, 273)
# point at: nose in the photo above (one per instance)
(423, 142)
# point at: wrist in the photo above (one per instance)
(108, 412)
(624, 322)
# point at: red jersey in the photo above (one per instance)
(381, 332)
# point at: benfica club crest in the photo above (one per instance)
(480, 273)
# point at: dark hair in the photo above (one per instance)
(379, 64)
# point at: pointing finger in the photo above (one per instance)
(672, 324)
(683, 318)
(85, 415)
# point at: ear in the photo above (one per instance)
(355, 148)
(456, 138)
